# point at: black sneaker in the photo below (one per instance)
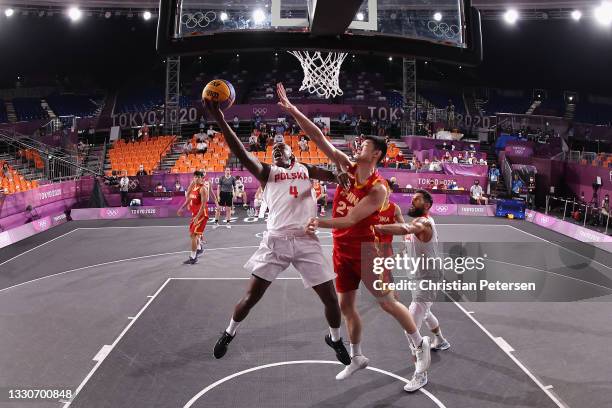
(191, 261)
(222, 343)
(341, 353)
(200, 251)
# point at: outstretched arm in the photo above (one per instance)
(371, 203)
(320, 174)
(415, 228)
(254, 166)
(312, 130)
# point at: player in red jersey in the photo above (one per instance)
(390, 213)
(195, 200)
(354, 214)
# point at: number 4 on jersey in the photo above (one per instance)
(293, 191)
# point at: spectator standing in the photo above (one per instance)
(493, 180)
(517, 186)
(531, 190)
(124, 188)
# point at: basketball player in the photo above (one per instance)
(287, 191)
(196, 201)
(354, 214)
(422, 239)
(320, 195)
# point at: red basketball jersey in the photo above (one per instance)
(195, 199)
(345, 200)
(386, 215)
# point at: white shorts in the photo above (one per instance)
(279, 250)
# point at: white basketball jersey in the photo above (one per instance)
(290, 198)
(428, 249)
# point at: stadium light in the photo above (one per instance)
(576, 15)
(437, 16)
(259, 16)
(511, 16)
(74, 13)
(147, 15)
(9, 12)
(603, 13)
(360, 16)
(390, 59)
(223, 16)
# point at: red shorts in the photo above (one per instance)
(354, 263)
(196, 227)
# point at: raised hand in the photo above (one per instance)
(213, 108)
(283, 101)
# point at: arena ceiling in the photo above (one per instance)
(152, 4)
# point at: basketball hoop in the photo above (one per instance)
(321, 73)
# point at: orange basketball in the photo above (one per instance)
(221, 91)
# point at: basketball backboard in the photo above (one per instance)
(433, 29)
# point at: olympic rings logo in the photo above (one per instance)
(443, 30)
(441, 208)
(112, 213)
(260, 111)
(198, 19)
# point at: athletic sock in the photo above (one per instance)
(355, 349)
(414, 338)
(231, 329)
(193, 254)
(335, 333)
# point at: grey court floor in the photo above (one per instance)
(106, 309)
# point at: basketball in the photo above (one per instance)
(221, 91)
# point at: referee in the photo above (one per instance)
(225, 192)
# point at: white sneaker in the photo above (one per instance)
(417, 381)
(357, 363)
(423, 356)
(439, 344)
(228, 226)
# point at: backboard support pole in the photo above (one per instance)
(409, 93)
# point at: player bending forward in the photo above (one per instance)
(288, 193)
(195, 200)
(422, 242)
(354, 214)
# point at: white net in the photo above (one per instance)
(321, 73)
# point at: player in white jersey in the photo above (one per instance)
(288, 194)
(422, 242)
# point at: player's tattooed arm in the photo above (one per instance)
(311, 129)
(260, 170)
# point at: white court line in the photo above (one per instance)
(36, 247)
(284, 363)
(123, 260)
(560, 246)
(546, 390)
(551, 272)
(110, 348)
